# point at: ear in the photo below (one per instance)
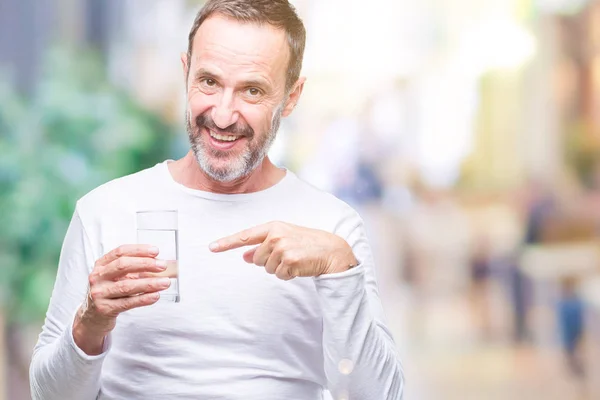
(294, 97)
(186, 67)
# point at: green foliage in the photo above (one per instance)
(74, 134)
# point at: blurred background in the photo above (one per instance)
(466, 132)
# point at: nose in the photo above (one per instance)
(224, 113)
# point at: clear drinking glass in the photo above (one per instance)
(159, 228)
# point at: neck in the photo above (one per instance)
(187, 172)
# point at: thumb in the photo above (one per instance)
(249, 255)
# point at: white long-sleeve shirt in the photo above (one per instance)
(238, 332)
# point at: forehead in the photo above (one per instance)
(237, 47)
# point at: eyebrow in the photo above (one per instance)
(203, 73)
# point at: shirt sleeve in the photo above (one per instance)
(361, 360)
(59, 369)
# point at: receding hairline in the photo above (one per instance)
(219, 15)
(280, 17)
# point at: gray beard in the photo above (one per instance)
(255, 152)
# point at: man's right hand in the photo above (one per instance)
(121, 280)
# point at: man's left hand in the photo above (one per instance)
(290, 251)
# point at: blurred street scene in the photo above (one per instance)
(466, 133)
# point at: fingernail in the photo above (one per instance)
(213, 246)
(164, 282)
(153, 250)
(162, 264)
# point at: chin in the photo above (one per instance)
(221, 170)
(225, 176)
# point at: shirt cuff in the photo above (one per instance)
(80, 353)
(341, 284)
(359, 269)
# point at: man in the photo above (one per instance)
(294, 314)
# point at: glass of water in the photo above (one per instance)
(159, 228)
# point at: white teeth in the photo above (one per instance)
(225, 138)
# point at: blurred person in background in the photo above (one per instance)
(540, 205)
(481, 265)
(360, 185)
(238, 332)
(570, 318)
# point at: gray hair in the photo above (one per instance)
(278, 13)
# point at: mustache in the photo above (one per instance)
(238, 128)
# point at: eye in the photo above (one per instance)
(253, 92)
(208, 85)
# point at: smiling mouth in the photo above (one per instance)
(223, 138)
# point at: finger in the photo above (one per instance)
(130, 265)
(295, 265)
(246, 237)
(273, 262)
(130, 287)
(129, 250)
(171, 271)
(283, 272)
(249, 255)
(262, 253)
(143, 300)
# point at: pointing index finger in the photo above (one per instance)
(247, 237)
